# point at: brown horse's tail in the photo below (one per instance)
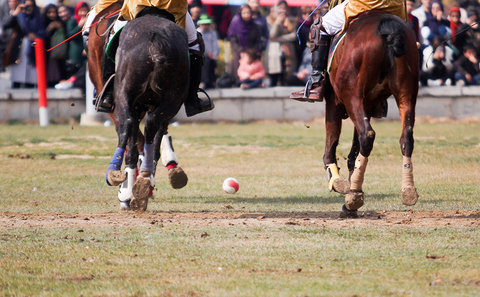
(392, 31)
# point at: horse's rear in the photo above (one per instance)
(151, 77)
(377, 58)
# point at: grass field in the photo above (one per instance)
(61, 233)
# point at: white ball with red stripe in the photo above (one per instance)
(230, 185)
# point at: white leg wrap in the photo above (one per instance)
(191, 32)
(166, 151)
(407, 173)
(358, 174)
(90, 17)
(125, 190)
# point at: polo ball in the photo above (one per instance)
(230, 185)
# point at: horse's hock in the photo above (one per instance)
(246, 105)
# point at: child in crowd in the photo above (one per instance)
(468, 68)
(210, 38)
(251, 71)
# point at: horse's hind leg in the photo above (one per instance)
(333, 126)
(146, 179)
(115, 176)
(407, 114)
(366, 136)
(164, 149)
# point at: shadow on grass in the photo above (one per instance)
(332, 198)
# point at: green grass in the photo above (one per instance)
(280, 170)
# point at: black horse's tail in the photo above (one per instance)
(392, 32)
(393, 35)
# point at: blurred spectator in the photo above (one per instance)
(455, 24)
(11, 38)
(23, 72)
(225, 21)
(413, 20)
(467, 33)
(64, 13)
(467, 68)
(437, 68)
(55, 35)
(303, 32)
(251, 71)
(195, 9)
(261, 22)
(273, 54)
(301, 77)
(210, 38)
(71, 9)
(243, 34)
(423, 13)
(4, 17)
(437, 25)
(76, 61)
(284, 31)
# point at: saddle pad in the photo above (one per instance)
(333, 49)
(112, 45)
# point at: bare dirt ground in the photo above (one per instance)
(330, 219)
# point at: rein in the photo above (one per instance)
(108, 16)
(299, 27)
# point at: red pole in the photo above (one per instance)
(40, 61)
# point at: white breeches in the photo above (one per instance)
(334, 19)
(191, 32)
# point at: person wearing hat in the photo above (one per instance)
(195, 8)
(210, 38)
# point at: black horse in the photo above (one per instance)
(152, 78)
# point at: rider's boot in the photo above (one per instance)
(193, 104)
(105, 98)
(315, 87)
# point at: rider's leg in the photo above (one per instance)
(193, 104)
(321, 31)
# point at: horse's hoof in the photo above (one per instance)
(125, 205)
(341, 185)
(354, 200)
(141, 192)
(177, 177)
(409, 196)
(347, 213)
(116, 177)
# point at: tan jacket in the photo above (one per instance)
(130, 8)
(356, 7)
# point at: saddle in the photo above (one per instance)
(113, 41)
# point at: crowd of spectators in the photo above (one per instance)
(449, 41)
(268, 45)
(22, 22)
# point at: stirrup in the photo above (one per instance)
(308, 87)
(98, 101)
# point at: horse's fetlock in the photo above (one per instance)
(371, 134)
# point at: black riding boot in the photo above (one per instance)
(105, 98)
(193, 104)
(315, 87)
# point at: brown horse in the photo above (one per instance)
(377, 58)
(96, 47)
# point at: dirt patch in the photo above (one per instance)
(330, 219)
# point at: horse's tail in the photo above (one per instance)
(393, 35)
